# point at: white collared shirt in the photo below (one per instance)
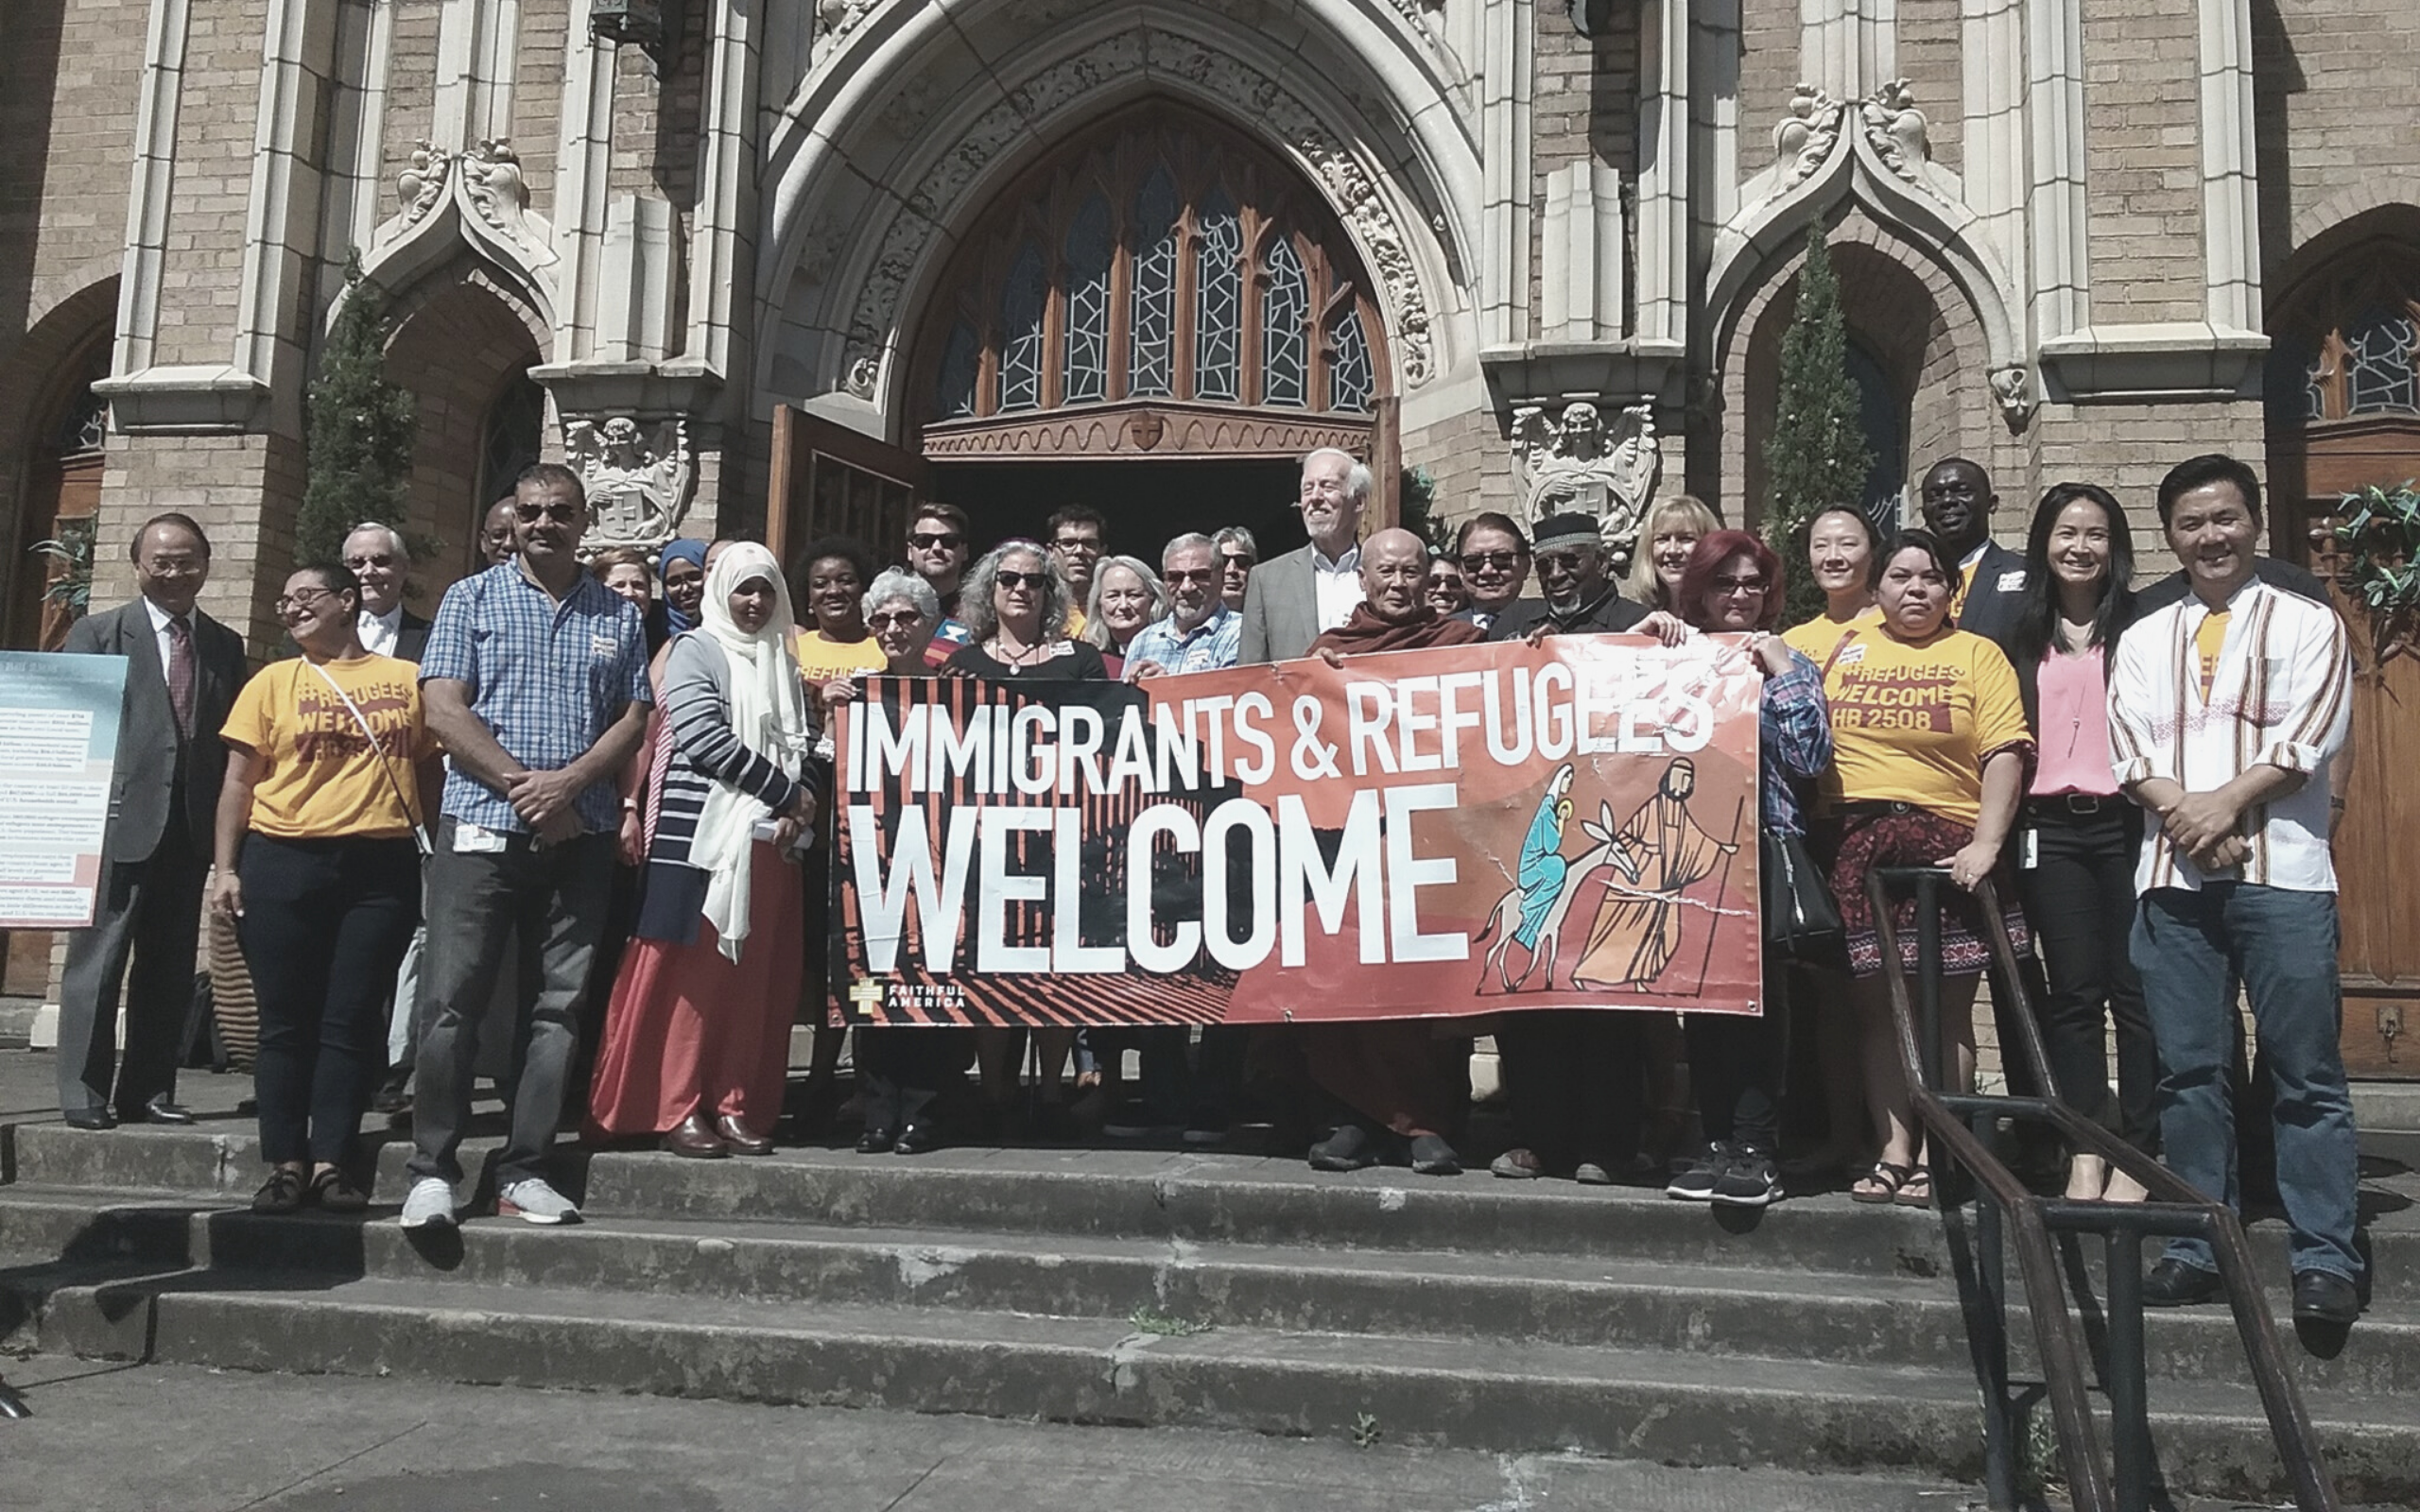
(2281, 697)
(378, 631)
(1336, 581)
(160, 619)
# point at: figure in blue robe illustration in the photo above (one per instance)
(1542, 867)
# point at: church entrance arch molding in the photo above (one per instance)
(865, 218)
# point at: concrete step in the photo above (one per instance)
(1611, 1302)
(1677, 1408)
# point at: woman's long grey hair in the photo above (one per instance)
(975, 605)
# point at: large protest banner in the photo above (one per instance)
(1421, 833)
(58, 718)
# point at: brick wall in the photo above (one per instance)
(215, 122)
(1769, 70)
(242, 489)
(2332, 85)
(537, 93)
(69, 78)
(2143, 160)
(1584, 107)
(1470, 459)
(412, 84)
(1932, 60)
(2127, 449)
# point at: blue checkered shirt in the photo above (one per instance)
(547, 679)
(1210, 647)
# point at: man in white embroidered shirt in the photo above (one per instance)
(2225, 712)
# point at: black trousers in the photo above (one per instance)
(150, 910)
(2080, 897)
(1573, 1077)
(1736, 1068)
(325, 923)
(902, 1070)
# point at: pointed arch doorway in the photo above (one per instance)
(1156, 319)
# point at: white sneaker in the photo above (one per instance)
(532, 1201)
(430, 1201)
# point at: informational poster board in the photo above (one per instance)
(58, 718)
(1423, 833)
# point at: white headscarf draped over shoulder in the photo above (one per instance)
(768, 714)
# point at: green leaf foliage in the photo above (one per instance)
(358, 428)
(2381, 540)
(1815, 455)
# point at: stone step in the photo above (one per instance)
(1514, 1297)
(1136, 1193)
(1679, 1408)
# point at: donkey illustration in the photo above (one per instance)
(1609, 850)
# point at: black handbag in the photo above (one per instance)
(1802, 919)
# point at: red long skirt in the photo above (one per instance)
(689, 1031)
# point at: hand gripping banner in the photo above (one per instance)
(1416, 834)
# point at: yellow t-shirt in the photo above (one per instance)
(1819, 637)
(1911, 722)
(2207, 643)
(324, 781)
(821, 657)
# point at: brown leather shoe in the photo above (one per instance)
(693, 1139)
(738, 1136)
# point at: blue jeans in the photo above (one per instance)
(2189, 947)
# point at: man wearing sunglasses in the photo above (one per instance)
(1579, 597)
(1495, 562)
(939, 552)
(1201, 633)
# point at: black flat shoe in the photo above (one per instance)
(281, 1192)
(2323, 1297)
(1432, 1155)
(159, 1111)
(90, 1118)
(2173, 1283)
(334, 1191)
(1350, 1148)
(917, 1139)
(876, 1140)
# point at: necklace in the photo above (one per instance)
(1018, 660)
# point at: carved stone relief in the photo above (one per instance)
(639, 485)
(1574, 461)
(1351, 187)
(1808, 133)
(1897, 130)
(485, 184)
(2013, 386)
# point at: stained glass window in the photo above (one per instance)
(1022, 304)
(1152, 313)
(1089, 251)
(1217, 299)
(954, 394)
(1285, 325)
(1350, 379)
(2379, 351)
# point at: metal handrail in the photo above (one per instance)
(1963, 1125)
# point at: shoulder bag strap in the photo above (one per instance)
(420, 834)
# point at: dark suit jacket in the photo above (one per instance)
(1995, 594)
(1604, 614)
(142, 790)
(1281, 609)
(2273, 571)
(411, 636)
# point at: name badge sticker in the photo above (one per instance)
(602, 646)
(1850, 655)
(2012, 581)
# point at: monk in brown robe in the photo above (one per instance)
(1401, 1086)
(1638, 925)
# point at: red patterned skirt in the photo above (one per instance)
(1902, 835)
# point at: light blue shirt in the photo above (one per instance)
(1209, 647)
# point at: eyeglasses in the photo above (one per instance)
(1559, 562)
(381, 559)
(291, 603)
(1015, 580)
(175, 566)
(929, 540)
(1500, 561)
(1089, 543)
(900, 619)
(1190, 575)
(1235, 562)
(562, 514)
(1739, 585)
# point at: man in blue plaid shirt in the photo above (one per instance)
(1201, 633)
(535, 678)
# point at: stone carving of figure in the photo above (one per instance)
(638, 487)
(1575, 462)
(1805, 135)
(422, 183)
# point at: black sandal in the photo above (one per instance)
(1886, 1176)
(281, 1192)
(332, 1191)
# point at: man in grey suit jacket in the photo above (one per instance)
(183, 672)
(1292, 600)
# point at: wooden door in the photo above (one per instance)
(829, 480)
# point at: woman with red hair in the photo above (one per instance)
(1732, 584)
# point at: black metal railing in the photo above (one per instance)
(1963, 1129)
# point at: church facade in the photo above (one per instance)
(785, 265)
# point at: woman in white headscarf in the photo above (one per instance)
(697, 1038)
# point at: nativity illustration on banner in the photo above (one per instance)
(1417, 833)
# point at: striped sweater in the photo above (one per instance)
(696, 748)
(2281, 697)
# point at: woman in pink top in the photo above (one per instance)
(2077, 834)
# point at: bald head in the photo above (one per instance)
(1395, 568)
